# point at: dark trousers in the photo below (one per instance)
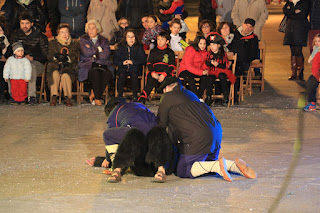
(3, 84)
(134, 82)
(151, 83)
(99, 80)
(189, 78)
(221, 86)
(144, 154)
(312, 85)
(296, 51)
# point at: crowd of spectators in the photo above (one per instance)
(88, 39)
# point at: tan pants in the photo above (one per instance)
(65, 83)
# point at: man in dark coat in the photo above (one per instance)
(134, 10)
(34, 9)
(196, 133)
(133, 139)
(35, 45)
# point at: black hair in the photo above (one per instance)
(26, 16)
(112, 103)
(165, 35)
(196, 41)
(124, 39)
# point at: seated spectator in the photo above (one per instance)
(4, 54)
(193, 66)
(206, 27)
(18, 70)
(118, 35)
(224, 29)
(104, 11)
(129, 57)
(176, 41)
(134, 10)
(6, 8)
(34, 9)
(35, 45)
(150, 35)
(74, 13)
(219, 69)
(95, 64)
(160, 65)
(63, 59)
(246, 45)
(144, 22)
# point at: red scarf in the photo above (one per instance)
(214, 4)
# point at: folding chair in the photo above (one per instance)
(72, 93)
(82, 93)
(42, 91)
(260, 64)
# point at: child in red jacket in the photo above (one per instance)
(219, 68)
(313, 83)
(193, 66)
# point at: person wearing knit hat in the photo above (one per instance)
(17, 46)
(18, 70)
(219, 65)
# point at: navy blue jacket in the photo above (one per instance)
(126, 116)
(135, 53)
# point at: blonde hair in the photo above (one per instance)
(95, 22)
(314, 39)
(123, 18)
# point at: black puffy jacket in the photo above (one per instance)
(34, 44)
(35, 9)
(134, 10)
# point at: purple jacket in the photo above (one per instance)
(87, 55)
(126, 116)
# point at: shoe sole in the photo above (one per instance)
(246, 170)
(223, 168)
(309, 110)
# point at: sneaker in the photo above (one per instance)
(32, 101)
(310, 107)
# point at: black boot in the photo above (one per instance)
(293, 69)
(300, 68)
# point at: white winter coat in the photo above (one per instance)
(17, 69)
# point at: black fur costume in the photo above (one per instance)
(144, 154)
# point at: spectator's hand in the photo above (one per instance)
(161, 78)
(6, 80)
(310, 61)
(178, 16)
(214, 63)
(130, 62)
(3, 59)
(26, 81)
(125, 62)
(87, 46)
(30, 58)
(297, 11)
(205, 72)
(161, 11)
(155, 76)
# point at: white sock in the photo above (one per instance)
(232, 167)
(203, 167)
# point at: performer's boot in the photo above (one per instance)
(203, 167)
(293, 68)
(300, 67)
(241, 167)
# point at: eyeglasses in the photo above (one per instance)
(205, 26)
(130, 37)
